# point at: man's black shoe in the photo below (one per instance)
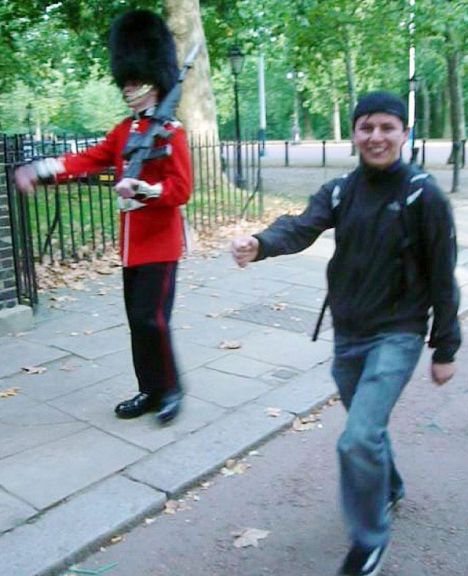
(136, 406)
(169, 406)
(362, 562)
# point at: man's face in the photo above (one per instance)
(379, 138)
(139, 96)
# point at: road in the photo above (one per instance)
(288, 488)
(310, 153)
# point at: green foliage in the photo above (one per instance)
(53, 55)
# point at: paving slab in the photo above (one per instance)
(13, 511)
(176, 467)
(286, 349)
(236, 363)
(95, 345)
(61, 378)
(72, 322)
(192, 355)
(213, 331)
(144, 432)
(248, 281)
(121, 362)
(47, 474)
(17, 353)
(64, 534)
(226, 390)
(280, 315)
(26, 423)
(302, 393)
(305, 296)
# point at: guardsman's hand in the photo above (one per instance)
(442, 373)
(26, 179)
(127, 187)
(244, 249)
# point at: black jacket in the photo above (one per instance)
(376, 283)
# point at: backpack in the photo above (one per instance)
(410, 191)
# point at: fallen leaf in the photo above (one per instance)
(62, 298)
(149, 521)
(116, 539)
(230, 345)
(303, 424)
(171, 507)
(34, 369)
(249, 537)
(279, 306)
(234, 467)
(9, 392)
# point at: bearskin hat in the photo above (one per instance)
(142, 49)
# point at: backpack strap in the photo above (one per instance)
(341, 190)
(410, 192)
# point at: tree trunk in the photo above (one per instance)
(307, 122)
(456, 108)
(336, 119)
(352, 97)
(446, 132)
(197, 109)
(437, 126)
(426, 111)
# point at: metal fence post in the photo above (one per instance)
(324, 154)
(7, 276)
(286, 153)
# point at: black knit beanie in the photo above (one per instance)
(381, 102)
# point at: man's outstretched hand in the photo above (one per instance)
(244, 249)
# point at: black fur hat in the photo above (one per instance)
(142, 49)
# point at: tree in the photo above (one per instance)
(197, 107)
(443, 22)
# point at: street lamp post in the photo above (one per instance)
(413, 86)
(236, 59)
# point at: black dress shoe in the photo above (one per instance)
(136, 406)
(169, 406)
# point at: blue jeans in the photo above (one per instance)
(371, 373)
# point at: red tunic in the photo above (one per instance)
(153, 233)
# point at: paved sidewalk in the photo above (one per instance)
(72, 474)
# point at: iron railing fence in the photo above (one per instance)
(75, 219)
(21, 238)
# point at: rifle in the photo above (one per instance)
(140, 147)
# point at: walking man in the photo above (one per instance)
(394, 262)
(144, 66)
